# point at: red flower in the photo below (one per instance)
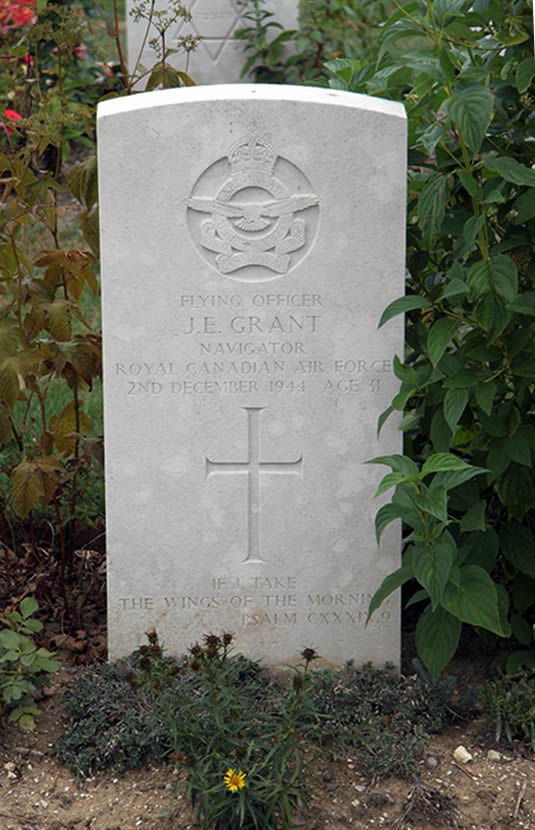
(80, 52)
(13, 116)
(16, 13)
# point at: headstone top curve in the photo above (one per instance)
(249, 92)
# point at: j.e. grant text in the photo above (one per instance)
(252, 324)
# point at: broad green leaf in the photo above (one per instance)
(511, 170)
(480, 548)
(454, 288)
(471, 229)
(520, 659)
(402, 305)
(516, 489)
(505, 276)
(432, 207)
(455, 401)
(440, 336)
(398, 463)
(405, 393)
(470, 109)
(518, 446)
(475, 600)
(392, 480)
(431, 137)
(479, 279)
(437, 637)
(485, 396)
(463, 379)
(525, 205)
(387, 514)
(443, 462)
(471, 185)
(28, 606)
(522, 630)
(402, 30)
(525, 72)
(492, 314)
(9, 639)
(440, 432)
(432, 566)
(434, 502)
(474, 518)
(405, 373)
(518, 547)
(524, 304)
(447, 8)
(383, 417)
(389, 584)
(455, 478)
(523, 593)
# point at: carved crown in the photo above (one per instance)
(253, 152)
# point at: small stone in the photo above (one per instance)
(492, 755)
(431, 762)
(163, 812)
(327, 776)
(461, 755)
(360, 788)
(355, 803)
(332, 787)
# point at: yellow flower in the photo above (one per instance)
(234, 780)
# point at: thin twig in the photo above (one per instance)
(521, 795)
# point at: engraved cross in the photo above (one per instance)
(254, 468)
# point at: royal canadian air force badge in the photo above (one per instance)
(253, 215)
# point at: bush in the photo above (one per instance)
(24, 668)
(464, 71)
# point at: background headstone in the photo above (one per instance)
(219, 57)
(251, 236)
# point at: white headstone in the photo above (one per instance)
(251, 237)
(219, 57)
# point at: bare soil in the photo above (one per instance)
(36, 793)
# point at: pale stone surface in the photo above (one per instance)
(251, 237)
(219, 57)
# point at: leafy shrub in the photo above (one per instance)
(327, 28)
(509, 702)
(24, 668)
(464, 71)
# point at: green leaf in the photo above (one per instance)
(523, 593)
(387, 514)
(479, 279)
(511, 170)
(470, 108)
(521, 630)
(398, 463)
(440, 335)
(505, 276)
(437, 637)
(471, 229)
(518, 547)
(383, 417)
(474, 518)
(432, 207)
(448, 8)
(475, 600)
(525, 71)
(455, 401)
(516, 489)
(524, 304)
(391, 480)
(525, 205)
(453, 479)
(28, 606)
(434, 502)
(432, 566)
(471, 185)
(402, 305)
(519, 659)
(492, 314)
(443, 462)
(389, 584)
(480, 548)
(9, 639)
(405, 373)
(485, 396)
